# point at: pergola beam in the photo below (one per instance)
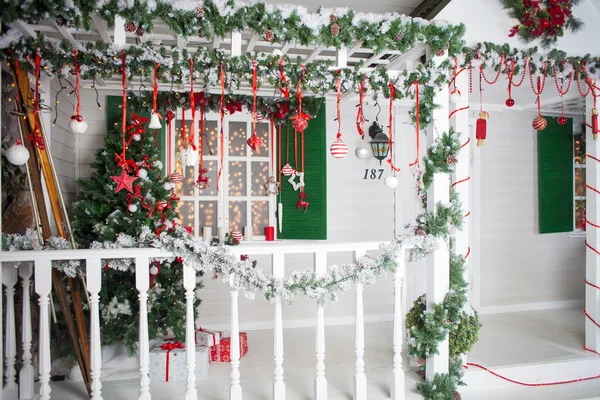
(24, 27)
(314, 54)
(66, 34)
(102, 30)
(409, 55)
(252, 42)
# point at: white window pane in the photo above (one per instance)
(237, 215)
(260, 176)
(237, 178)
(210, 144)
(186, 213)
(213, 169)
(262, 131)
(260, 217)
(237, 139)
(186, 187)
(207, 214)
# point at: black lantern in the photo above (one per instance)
(379, 142)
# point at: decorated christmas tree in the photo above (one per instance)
(126, 192)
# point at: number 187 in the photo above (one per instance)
(373, 173)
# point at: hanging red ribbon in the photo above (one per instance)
(286, 91)
(390, 160)
(124, 121)
(77, 115)
(279, 151)
(192, 138)
(272, 147)
(182, 130)
(36, 136)
(254, 142)
(417, 118)
(168, 347)
(360, 116)
(201, 136)
(339, 106)
(221, 134)
(155, 107)
(300, 120)
(170, 117)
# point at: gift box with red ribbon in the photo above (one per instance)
(206, 337)
(168, 362)
(222, 352)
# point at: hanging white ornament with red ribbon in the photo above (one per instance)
(339, 149)
(77, 124)
(17, 154)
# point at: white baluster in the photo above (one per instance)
(94, 284)
(43, 285)
(11, 390)
(235, 390)
(320, 380)
(360, 379)
(189, 284)
(397, 386)
(26, 389)
(142, 282)
(278, 385)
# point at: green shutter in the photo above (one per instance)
(113, 115)
(555, 168)
(313, 223)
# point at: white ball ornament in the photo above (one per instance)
(362, 151)
(158, 164)
(390, 182)
(153, 270)
(455, 97)
(142, 173)
(168, 186)
(17, 154)
(132, 208)
(137, 137)
(77, 124)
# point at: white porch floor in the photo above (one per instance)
(538, 346)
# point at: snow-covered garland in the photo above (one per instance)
(495, 56)
(279, 23)
(220, 261)
(100, 59)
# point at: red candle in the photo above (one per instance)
(270, 233)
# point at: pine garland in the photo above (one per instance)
(288, 23)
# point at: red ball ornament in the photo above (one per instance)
(159, 207)
(545, 23)
(562, 120)
(510, 102)
(300, 124)
(539, 123)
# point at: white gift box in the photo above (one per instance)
(175, 359)
(206, 337)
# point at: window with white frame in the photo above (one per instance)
(240, 201)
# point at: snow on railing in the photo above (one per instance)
(38, 263)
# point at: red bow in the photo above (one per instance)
(200, 99)
(168, 347)
(233, 107)
(122, 162)
(170, 116)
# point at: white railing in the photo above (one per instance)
(38, 263)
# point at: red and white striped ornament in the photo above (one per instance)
(236, 235)
(176, 177)
(539, 123)
(421, 362)
(287, 169)
(339, 149)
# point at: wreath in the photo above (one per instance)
(545, 19)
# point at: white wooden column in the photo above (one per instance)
(462, 173)
(360, 379)
(189, 284)
(398, 381)
(26, 388)
(43, 285)
(320, 380)
(592, 268)
(278, 270)
(11, 390)
(235, 389)
(94, 284)
(438, 264)
(142, 283)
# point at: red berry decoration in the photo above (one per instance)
(332, 18)
(545, 23)
(268, 35)
(130, 27)
(335, 29)
(398, 36)
(510, 102)
(539, 123)
(562, 120)
(199, 12)
(440, 52)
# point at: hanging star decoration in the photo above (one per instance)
(272, 186)
(292, 180)
(124, 181)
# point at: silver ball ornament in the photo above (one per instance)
(137, 137)
(142, 173)
(390, 182)
(153, 270)
(168, 186)
(132, 208)
(362, 151)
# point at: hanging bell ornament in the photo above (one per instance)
(595, 123)
(539, 123)
(17, 154)
(154, 121)
(481, 128)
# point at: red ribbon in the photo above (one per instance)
(418, 133)
(339, 105)
(390, 160)
(170, 117)
(124, 121)
(210, 333)
(201, 135)
(286, 91)
(221, 134)
(77, 84)
(168, 347)
(191, 139)
(36, 137)
(360, 116)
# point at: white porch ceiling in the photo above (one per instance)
(376, 6)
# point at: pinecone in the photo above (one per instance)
(60, 20)
(451, 160)
(335, 29)
(130, 27)
(419, 231)
(398, 36)
(421, 362)
(440, 52)
(199, 12)
(447, 46)
(140, 31)
(268, 35)
(457, 396)
(332, 18)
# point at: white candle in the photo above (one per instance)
(207, 233)
(222, 232)
(247, 233)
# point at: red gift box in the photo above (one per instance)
(222, 352)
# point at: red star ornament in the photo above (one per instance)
(124, 181)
